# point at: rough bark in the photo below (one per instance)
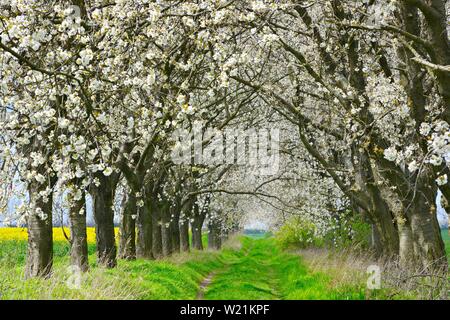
(436, 26)
(417, 193)
(196, 236)
(196, 229)
(102, 197)
(386, 229)
(375, 242)
(374, 237)
(78, 236)
(144, 226)
(127, 241)
(156, 231)
(406, 244)
(378, 210)
(214, 235)
(422, 228)
(406, 252)
(165, 230)
(175, 231)
(40, 237)
(184, 235)
(429, 246)
(166, 240)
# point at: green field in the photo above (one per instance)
(260, 270)
(248, 267)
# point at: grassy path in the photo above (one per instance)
(204, 285)
(263, 271)
(249, 276)
(257, 269)
(246, 268)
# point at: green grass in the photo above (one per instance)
(249, 275)
(258, 270)
(263, 271)
(177, 277)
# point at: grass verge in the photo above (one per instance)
(263, 271)
(177, 277)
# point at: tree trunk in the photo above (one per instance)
(144, 226)
(406, 244)
(175, 231)
(40, 237)
(375, 242)
(156, 231)
(184, 234)
(165, 229)
(406, 252)
(436, 29)
(385, 231)
(380, 212)
(417, 193)
(224, 236)
(78, 236)
(429, 245)
(127, 242)
(196, 229)
(377, 209)
(166, 240)
(102, 198)
(214, 235)
(196, 237)
(406, 248)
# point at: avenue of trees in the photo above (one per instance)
(92, 91)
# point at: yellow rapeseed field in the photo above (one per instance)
(21, 234)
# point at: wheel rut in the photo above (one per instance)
(204, 285)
